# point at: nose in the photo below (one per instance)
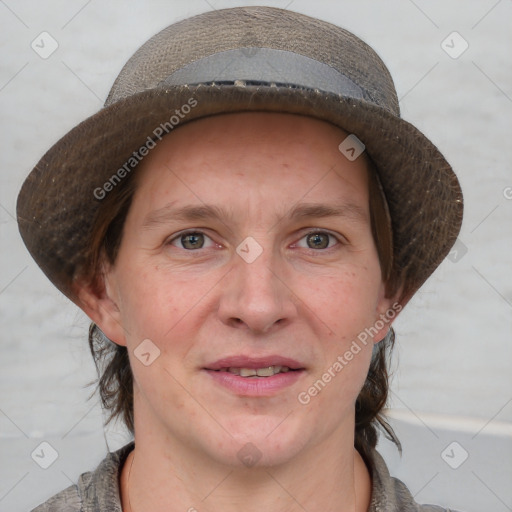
(256, 295)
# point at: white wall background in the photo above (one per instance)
(453, 381)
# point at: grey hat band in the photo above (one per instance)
(266, 65)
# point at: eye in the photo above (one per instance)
(317, 240)
(192, 240)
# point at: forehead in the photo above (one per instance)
(249, 159)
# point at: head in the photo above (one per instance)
(294, 250)
(322, 279)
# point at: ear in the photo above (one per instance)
(388, 309)
(99, 302)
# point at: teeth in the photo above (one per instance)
(247, 372)
(258, 372)
(268, 372)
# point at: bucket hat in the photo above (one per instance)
(239, 60)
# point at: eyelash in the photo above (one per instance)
(305, 235)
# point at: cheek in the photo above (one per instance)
(153, 303)
(163, 309)
(346, 302)
(158, 391)
(332, 392)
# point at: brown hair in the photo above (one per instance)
(115, 378)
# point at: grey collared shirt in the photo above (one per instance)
(98, 491)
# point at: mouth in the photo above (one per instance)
(247, 366)
(255, 376)
(267, 371)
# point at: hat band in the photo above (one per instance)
(266, 65)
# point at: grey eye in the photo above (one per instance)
(318, 240)
(192, 240)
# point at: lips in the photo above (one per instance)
(255, 376)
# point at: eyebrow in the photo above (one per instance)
(170, 213)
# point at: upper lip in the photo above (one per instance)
(254, 362)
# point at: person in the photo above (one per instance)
(243, 222)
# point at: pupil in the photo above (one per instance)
(192, 240)
(318, 240)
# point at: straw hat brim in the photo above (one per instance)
(57, 204)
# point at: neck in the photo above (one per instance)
(330, 477)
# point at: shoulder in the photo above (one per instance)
(391, 494)
(97, 490)
(67, 500)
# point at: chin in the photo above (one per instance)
(265, 443)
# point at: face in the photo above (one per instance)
(247, 251)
